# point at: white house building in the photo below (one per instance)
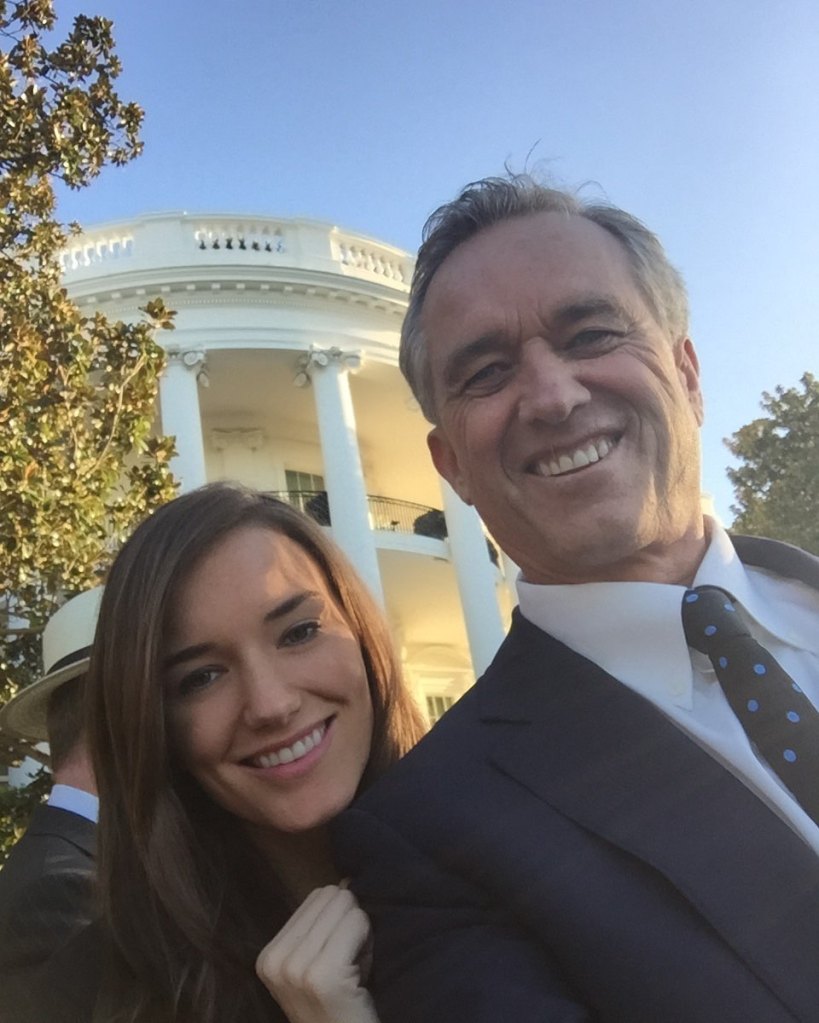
(283, 374)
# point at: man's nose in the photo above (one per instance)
(267, 697)
(551, 387)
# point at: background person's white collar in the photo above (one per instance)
(66, 797)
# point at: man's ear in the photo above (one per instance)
(446, 462)
(689, 367)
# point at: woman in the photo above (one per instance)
(243, 688)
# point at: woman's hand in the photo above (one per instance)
(311, 966)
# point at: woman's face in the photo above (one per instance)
(266, 686)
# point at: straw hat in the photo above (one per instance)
(67, 640)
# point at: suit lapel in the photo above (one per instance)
(608, 759)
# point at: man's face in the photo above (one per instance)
(566, 415)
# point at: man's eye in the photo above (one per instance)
(487, 377)
(303, 632)
(196, 681)
(595, 339)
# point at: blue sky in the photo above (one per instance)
(700, 117)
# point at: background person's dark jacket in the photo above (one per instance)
(46, 899)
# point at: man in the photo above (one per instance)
(46, 885)
(590, 834)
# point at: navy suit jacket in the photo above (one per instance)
(46, 898)
(556, 850)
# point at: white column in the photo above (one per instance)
(510, 575)
(343, 474)
(476, 579)
(181, 418)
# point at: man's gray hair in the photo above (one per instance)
(492, 200)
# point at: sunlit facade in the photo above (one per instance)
(283, 374)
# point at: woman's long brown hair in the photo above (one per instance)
(188, 901)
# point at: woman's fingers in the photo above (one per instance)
(310, 966)
(327, 926)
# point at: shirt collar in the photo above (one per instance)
(788, 614)
(66, 797)
(633, 630)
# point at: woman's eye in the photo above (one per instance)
(196, 681)
(303, 632)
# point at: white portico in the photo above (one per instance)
(283, 373)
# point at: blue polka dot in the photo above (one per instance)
(710, 630)
(796, 688)
(729, 607)
(723, 662)
(760, 669)
(790, 756)
(792, 716)
(753, 705)
(691, 597)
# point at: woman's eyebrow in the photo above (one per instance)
(187, 654)
(289, 604)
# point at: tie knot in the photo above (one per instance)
(710, 618)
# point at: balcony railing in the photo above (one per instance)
(385, 513)
(162, 241)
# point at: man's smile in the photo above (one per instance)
(587, 453)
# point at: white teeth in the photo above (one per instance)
(288, 754)
(579, 459)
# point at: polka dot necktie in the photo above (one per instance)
(780, 721)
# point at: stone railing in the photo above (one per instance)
(156, 243)
(97, 249)
(246, 236)
(374, 258)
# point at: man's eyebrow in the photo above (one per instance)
(584, 308)
(190, 653)
(460, 359)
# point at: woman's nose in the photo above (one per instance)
(268, 698)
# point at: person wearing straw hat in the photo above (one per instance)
(46, 885)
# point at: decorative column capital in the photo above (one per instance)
(344, 359)
(195, 360)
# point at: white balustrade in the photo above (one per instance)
(160, 242)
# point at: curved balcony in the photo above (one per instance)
(194, 243)
(387, 515)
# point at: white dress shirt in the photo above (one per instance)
(66, 797)
(634, 631)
